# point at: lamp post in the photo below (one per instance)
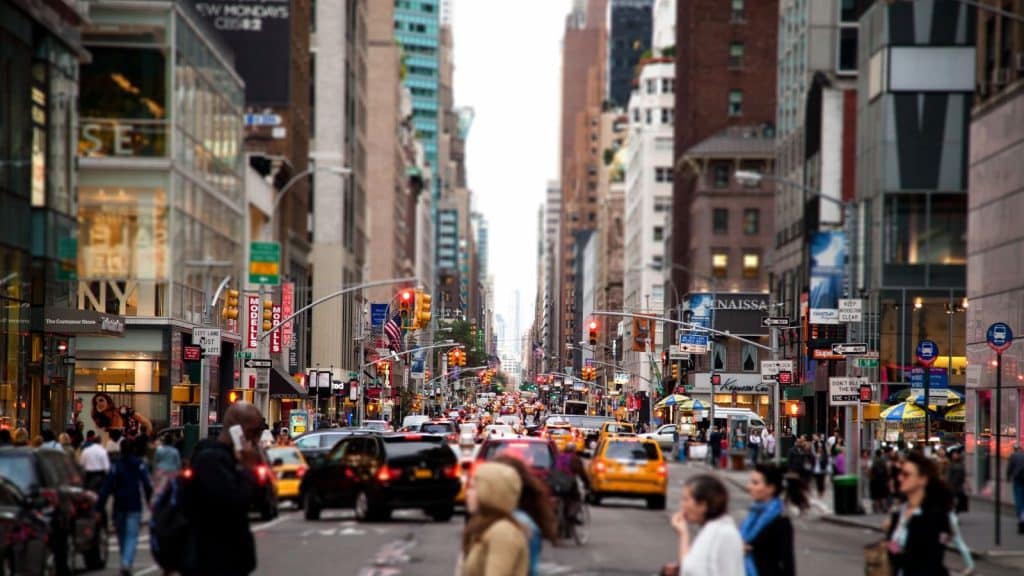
(339, 170)
(207, 264)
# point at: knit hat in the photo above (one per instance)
(497, 486)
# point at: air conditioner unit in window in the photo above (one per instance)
(1019, 61)
(999, 76)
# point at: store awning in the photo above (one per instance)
(283, 387)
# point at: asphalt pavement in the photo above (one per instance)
(626, 539)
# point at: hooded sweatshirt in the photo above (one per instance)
(502, 549)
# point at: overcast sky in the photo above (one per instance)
(508, 69)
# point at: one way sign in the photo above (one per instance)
(769, 321)
(850, 349)
(257, 363)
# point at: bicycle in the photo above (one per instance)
(574, 524)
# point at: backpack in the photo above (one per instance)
(168, 527)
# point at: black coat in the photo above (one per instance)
(924, 551)
(772, 549)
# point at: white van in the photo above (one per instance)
(752, 419)
(413, 421)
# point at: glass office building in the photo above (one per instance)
(160, 189)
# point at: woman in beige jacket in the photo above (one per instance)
(493, 544)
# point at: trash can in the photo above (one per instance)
(844, 494)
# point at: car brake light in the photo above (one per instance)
(662, 469)
(413, 437)
(600, 466)
(261, 473)
(50, 495)
(451, 471)
(186, 473)
(300, 471)
(385, 474)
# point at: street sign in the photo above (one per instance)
(773, 367)
(851, 304)
(690, 343)
(849, 349)
(265, 263)
(845, 391)
(208, 339)
(675, 354)
(769, 321)
(845, 316)
(865, 362)
(999, 337)
(927, 352)
(259, 363)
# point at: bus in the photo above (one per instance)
(574, 407)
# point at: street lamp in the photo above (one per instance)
(339, 170)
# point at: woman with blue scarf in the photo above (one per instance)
(767, 532)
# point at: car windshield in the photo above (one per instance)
(559, 432)
(19, 470)
(631, 451)
(376, 425)
(285, 455)
(534, 454)
(401, 447)
(618, 428)
(436, 428)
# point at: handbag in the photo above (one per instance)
(876, 559)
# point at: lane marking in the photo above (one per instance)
(271, 524)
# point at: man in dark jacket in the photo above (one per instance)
(128, 481)
(715, 440)
(217, 499)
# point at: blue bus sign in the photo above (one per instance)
(999, 336)
(927, 352)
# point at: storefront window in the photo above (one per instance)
(926, 229)
(121, 393)
(123, 102)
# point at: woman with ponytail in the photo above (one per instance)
(767, 532)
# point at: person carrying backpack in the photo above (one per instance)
(128, 481)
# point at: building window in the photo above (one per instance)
(659, 233)
(720, 263)
(751, 265)
(738, 11)
(748, 358)
(751, 221)
(666, 115)
(668, 85)
(718, 357)
(720, 220)
(720, 175)
(735, 103)
(648, 116)
(847, 57)
(736, 55)
(662, 174)
(636, 115)
(652, 86)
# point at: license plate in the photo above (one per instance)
(421, 474)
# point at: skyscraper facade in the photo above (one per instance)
(629, 37)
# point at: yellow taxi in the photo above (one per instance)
(609, 429)
(289, 466)
(465, 464)
(629, 467)
(561, 435)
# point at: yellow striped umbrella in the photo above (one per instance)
(904, 412)
(957, 414)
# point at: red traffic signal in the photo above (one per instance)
(716, 380)
(785, 378)
(593, 332)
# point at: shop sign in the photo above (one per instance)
(68, 321)
(275, 336)
(287, 308)
(742, 382)
(298, 422)
(741, 312)
(103, 138)
(253, 309)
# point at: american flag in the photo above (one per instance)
(393, 330)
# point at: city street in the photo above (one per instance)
(626, 540)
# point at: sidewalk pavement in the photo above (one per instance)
(977, 526)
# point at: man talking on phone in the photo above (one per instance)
(218, 495)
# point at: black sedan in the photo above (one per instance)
(316, 444)
(24, 531)
(375, 474)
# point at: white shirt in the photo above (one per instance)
(94, 458)
(717, 550)
(769, 442)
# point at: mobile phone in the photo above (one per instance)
(236, 437)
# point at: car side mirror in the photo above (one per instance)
(277, 462)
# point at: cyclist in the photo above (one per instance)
(570, 467)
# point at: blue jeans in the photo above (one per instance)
(127, 526)
(1018, 499)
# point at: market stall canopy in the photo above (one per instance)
(904, 412)
(672, 400)
(953, 398)
(957, 414)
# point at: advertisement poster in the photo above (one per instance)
(828, 274)
(287, 308)
(252, 309)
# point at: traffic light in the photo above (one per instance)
(268, 315)
(716, 380)
(675, 371)
(230, 310)
(451, 358)
(593, 332)
(421, 313)
(406, 301)
(239, 394)
(794, 408)
(460, 356)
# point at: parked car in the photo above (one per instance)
(375, 474)
(24, 533)
(50, 479)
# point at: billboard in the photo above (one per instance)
(259, 34)
(734, 311)
(828, 274)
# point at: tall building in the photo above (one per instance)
(816, 125)
(339, 208)
(611, 228)
(648, 197)
(417, 29)
(629, 38)
(40, 49)
(161, 208)
(550, 295)
(995, 247)
(583, 89)
(912, 149)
